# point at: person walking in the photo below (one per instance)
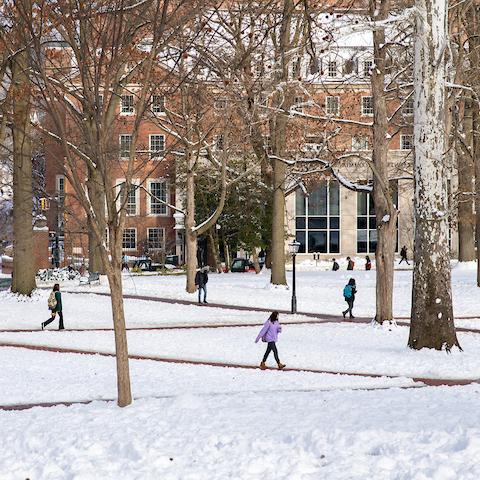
(403, 254)
(269, 334)
(55, 305)
(349, 292)
(368, 264)
(351, 264)
(335, 266)
(201, 280)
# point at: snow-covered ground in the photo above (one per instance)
(317, 290)
(199, 422)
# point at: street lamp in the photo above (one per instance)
(293, 250)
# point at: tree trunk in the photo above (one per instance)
(23, 258)
(465, 168)
(190, 234)
(256, 262)
(213, 246)
(97, 198)
(385, 211)
(227, 255)
(476, 158)
(432, 324)
(121, 347)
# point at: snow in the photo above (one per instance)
(198, 422)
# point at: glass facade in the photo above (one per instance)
(367, 222)
(317, 218)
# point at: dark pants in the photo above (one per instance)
(271, 348)
(52, 318)
(403, 258)
(350, 306)
(204, 288)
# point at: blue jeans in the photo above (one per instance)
(204, 288)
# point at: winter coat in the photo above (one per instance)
(269, 332)
(351, 265)
(403, 253)
(58, 298)
(201, 279)
(335, 266)
(368, 265)
(352, 290)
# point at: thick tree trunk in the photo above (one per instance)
(97, 198)
(121, 347)
(256, 262)
(432, 324)
(23, 259)
(227, 255)
(214, 251)
(385, 211)
(465, 168)
(190, 234)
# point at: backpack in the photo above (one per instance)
(347, 291)
(52, 301)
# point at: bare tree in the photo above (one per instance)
(432, 324)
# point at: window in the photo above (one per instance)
(314, 144)
(157, 145)
(158, 198)
(125, 141)
(219, 142)
(126, 107)
(332, 69)
(296, 68)
(367, 106)
(158, 104)
(367, 222)
(408, 107)
(156, 238)
(129, 241)
(406, 142)
(297, 104)
(367, 66)
(60, 185)
(317, 218)
(132, 201)
(360, 143)
(220, 104)
(332, 105)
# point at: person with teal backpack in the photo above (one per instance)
(349, 292)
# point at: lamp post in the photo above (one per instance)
(293, 249)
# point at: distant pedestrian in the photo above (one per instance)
(201, 280)
(55, 305)
(125, 264)
(368, 263)
(335, 266)
(269, 334)
(349, 292)
(351, 264)
(403, 254)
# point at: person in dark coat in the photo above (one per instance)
(335, 266)
(368, 264)
(351, 264)
(201, 280)
(349, 295)
(57, 308)
(403, 254)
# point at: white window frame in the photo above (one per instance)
(122, 111)
(162, 248)
(129, 249)
(362, 110)
(120, 152)
(298, 104)
(149, 198)
(407, 111)
(135, 182)
(337, 68)
(163, 105)
(59, 178)
(160, 153)
(366, 72)
(403, 137)
(327, 108)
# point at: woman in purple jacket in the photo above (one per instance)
(269, 333)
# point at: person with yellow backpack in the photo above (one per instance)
(55, 305)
